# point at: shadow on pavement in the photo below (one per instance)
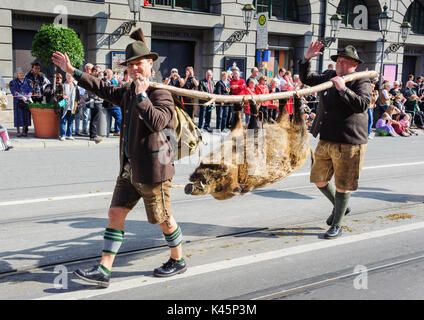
(138, 235)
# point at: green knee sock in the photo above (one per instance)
(329, 191)
(340, 205)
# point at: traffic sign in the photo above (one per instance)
(262, 32)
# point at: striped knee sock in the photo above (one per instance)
(175, 238)
(113, 239)
(103, 269)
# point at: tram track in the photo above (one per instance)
(32, 268)
(364, 181)
(320, 281)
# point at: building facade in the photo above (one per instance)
(199, 32)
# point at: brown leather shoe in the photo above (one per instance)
(96, 139)
(117, 134)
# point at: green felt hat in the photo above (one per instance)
(138, 49)
(349, 52)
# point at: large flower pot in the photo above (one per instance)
(46, 123)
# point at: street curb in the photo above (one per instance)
(43, 144)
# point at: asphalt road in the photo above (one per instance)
(267, 244)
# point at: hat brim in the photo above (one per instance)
(152, 55)
(334, 58)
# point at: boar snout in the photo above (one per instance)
(188, 189)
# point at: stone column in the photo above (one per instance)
(6, 51)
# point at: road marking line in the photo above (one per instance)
(79, 196)
(144, 281)
(76, 196)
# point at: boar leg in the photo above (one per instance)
(237, 123)
(283, 115)
(298, 117)
(254, 122)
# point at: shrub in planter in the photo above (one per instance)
(47, 40)
(56, 37)
(39, 105)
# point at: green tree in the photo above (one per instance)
(57, 37)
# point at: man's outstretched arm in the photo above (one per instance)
(98, 87)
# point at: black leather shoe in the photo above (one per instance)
(170, 268)
(333, 232)
(93, 275)
(330, 218)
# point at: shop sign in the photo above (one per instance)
(361, 19)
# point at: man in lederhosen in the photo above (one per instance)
(342, 123)
(146, 167)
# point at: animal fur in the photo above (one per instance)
(138, 35)
(255, 158)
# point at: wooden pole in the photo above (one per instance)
(263, 97)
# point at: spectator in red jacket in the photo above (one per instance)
(250, 90)
(262, 88)
(273, 104)
(237, 87)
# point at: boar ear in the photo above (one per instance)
(224, 167)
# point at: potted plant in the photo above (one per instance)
(46, 121)
(47, 40)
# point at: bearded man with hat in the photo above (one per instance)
(342, 123)
(146, 166)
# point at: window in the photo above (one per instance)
(261, 5)
(192, 5)
(415, 16)
(279, 9)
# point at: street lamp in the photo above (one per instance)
(238, 35)
(335, 21)
(405, 28)
(134, 8)
(384, 24)
(248, 10)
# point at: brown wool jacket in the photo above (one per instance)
(341, 117)
(148, 147)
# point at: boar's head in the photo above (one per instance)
(219, 180)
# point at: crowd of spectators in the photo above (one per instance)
(231, 83)
(395, 109)
(79, 111)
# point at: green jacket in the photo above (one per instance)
(149, 149)
(341, 117)
(412, 106)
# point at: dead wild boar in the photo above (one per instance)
(254, 157)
